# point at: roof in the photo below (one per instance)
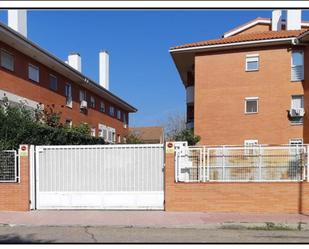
(148, 133)
(258, 20)
(21, 42)
(256, 36)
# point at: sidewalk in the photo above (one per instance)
(154, 219)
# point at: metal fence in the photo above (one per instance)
(237, 164)
(8, 166)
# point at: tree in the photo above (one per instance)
(187, 135)
(174, 123)
(133, 138)
(21, 125)
(175, 129)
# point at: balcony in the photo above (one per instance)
(190, 94)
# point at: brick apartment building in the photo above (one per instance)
(251, 85)
(32, 75)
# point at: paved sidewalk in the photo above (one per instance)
(154, 219)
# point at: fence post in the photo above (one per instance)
(223, 162)
(204, 163)
(208, 175)
(307, 154)
(260, 163)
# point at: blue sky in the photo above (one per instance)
(141, 69)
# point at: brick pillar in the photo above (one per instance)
(15, 196)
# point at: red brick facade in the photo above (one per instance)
(221, 86)
(17, 82)
(16, 196)
(276, 197)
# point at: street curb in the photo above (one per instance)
(271, 226)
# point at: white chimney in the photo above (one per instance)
(104, 69)
(17, 20)
(276, 20)
(75, 61)
(293, 19)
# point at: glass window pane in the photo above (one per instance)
(297, 59)
(7, 61)
(251, 106)
(33, 73)
(53, 82)
(297, 102)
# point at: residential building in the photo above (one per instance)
(30, 74)
(149, 134)
(250, 86)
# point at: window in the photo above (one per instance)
(82, 95)
(68, 123)
(112, 111)
(33, 73)
(125, 118)
(118, 114)
(93, 132)
(297, 101)
(252, 62)
(296, 141)
(7, 60)
(251, 105)
(102, 106)
(251, 146)
(92, 102)
(297, 66)
(68, 94)
(119, 138)
(297, 105)
(53, 82)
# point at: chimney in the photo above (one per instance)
(104, 69)
(293, 19)
(75, 61)
(17, 20)
(276, 20)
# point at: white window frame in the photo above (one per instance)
(297, 95)
(250, 58)
(93, 132)
(68, 94)
(82, 95)
(92, 102)
(2, 51)
(119, 114)
(303, 65)
(102, 104)
(37, 78)
(112, 113)
(257, 104)
(70, 123)
(55, 77)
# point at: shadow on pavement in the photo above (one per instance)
(16, 239)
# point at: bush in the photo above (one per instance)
(19, 125)
(187, 135)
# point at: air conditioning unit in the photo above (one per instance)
(83, 104)
(297, 112)
(69, 102)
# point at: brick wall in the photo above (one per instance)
(219, 108)
(277, 197)
(17, 82)
(15, 196)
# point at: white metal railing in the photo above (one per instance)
(242, 164)
(8, 166)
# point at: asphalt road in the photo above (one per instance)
(80, 234)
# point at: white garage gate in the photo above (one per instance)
(97, 177)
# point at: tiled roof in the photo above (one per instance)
(256, 36)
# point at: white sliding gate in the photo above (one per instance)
(98, 177)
